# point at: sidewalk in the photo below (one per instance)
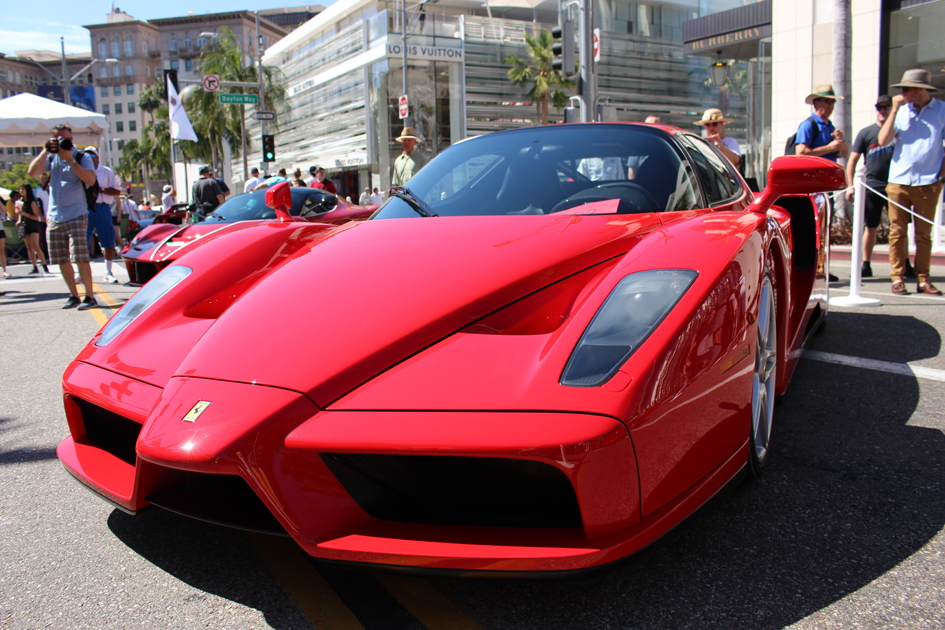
(843, 253)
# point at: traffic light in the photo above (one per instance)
(563, 48)
(172, 75)
(269, 147)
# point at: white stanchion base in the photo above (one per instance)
(853, 300)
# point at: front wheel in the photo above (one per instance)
(766, 367)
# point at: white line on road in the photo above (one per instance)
(904, 369)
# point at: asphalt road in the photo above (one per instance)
(844, 530)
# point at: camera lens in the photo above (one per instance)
(65, 143)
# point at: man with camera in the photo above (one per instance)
(67, 215)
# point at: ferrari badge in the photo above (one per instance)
(198, 409)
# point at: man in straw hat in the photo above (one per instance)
(409, 162)
(714, 123)
(816, 135)
(916, 174)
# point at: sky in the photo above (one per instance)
(28, 26)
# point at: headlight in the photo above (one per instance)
(142, 301)
(631, 312)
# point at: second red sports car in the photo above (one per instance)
(160, 244)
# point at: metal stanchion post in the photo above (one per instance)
(856, 256)
(937, 245)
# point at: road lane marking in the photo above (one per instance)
(904, 369)
(426, 603)
(317, 601)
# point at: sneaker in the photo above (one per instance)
(34, 272)
(72, 302)
(832, 277)
(45, 269)
(910, 272)
(111, 279)
(866, 271)
(87, 303)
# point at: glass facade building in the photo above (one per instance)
(344, 73)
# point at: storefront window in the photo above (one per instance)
(917, 40)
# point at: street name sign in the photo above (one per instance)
(239, 99)
(264, 115)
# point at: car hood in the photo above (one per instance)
(347, 307)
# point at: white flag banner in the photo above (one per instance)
(181, 129)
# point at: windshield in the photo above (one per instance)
(252, 206)
(553, 169)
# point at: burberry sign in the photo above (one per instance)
(727, 39)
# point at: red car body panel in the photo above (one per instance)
(452, 336)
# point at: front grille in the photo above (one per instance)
(144, 272)
(109, 431)
(479, 491)
(222, 499)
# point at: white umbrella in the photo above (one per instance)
(26, 120)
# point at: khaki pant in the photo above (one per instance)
(922, 200)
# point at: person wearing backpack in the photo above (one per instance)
(817, 136)
(100, 217)
(71, 173)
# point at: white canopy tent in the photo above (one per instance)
(26, 120)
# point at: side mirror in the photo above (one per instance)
(799, 175)
(279, 198)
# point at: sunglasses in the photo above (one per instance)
(712, 124)
(905, 89)
(882, 108)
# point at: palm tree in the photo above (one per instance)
(149, 101)
(545, 82)
(219, 122)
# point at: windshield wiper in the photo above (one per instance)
(415, 202)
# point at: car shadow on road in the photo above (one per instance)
(213, 560)
(852, 490)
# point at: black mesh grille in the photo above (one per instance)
(144, 272)
(438, 490)
(222, 499)
(109, 431)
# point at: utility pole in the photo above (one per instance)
(403, 46)
(587, 78)
(262, 94)
(66, 92)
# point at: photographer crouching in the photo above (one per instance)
(70, 172)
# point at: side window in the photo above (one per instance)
(714, 173)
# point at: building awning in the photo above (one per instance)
(734, 33)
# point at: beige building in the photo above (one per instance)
(888, 38)
(134, 45)
(37, 72)
(183, 38)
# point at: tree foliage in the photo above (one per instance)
(536, 74)
(17, 175)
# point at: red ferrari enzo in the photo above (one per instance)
(550, 348)
(166, 240)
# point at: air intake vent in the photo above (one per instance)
(438, 490)
(109, 431)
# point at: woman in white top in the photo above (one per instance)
(714, 123)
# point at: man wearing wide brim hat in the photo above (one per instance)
(410, 161)
(916, 126)
(714, 122)
(817, 136)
